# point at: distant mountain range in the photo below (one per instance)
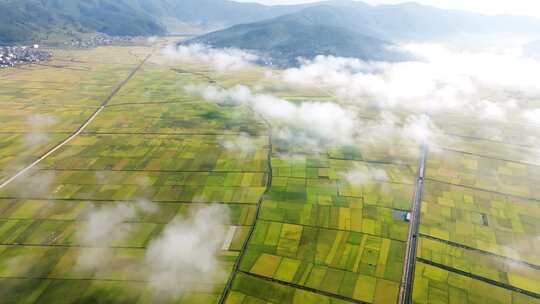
(335, 27)
(412, 21)
(26, 20)
(355, 29)
(282, 40)
(208, 15)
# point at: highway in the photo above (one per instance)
(406, 286)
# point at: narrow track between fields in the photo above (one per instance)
(236, 268)
(302, 287)
(480, 278)
(480, 251)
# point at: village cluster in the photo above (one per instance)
(101, 40)
(14, 55)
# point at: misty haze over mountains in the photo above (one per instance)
(532, 49)
(282, 33)
(28, 19)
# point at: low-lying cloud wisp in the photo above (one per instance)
(221, 59)
(186, 252)
(442, 80)
(103, 226)
(241, 143)
(184, 255)
(316, 123)
(38, 124)
(361, 176)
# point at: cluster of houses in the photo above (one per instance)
(101, 39)
(15, 55)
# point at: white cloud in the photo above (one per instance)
(38, 124)
(532, 116)
(385, 85)
(420, 129)
(186, 251)
(485, 86)
(491, 111)
(102, 227)
(182, 256)
(221, 59)
(35, 184)
(241, 143)
(475, 83)
(323, 121)
(317, 124)
(363, 176)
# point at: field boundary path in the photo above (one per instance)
(268, 186)
(480, 251)
(480, 278)
(406, 286)
(305, 288)
(79, 130)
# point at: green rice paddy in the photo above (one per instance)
(302, 232)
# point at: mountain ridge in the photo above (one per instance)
(356, 29)
(27, 20)
(38, 20)
(282, 43)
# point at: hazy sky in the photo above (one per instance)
(525, 7)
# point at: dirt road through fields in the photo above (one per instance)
(79, 130)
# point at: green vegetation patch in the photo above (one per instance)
(511, 178)
(160, 153)
(502, 270)
(503, 225)
(247, 289)
(330, 260)
(435, 285)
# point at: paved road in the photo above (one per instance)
(405, 290)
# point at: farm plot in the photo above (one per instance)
(502, 225)
(80, 178)
(492, 149)
(68, 82)
(42, 104)
(158, 85)
(303, 225)
(29, 228)
(377, 152)
(326, 230)
(436, 285)
(507, 132)
(22, 118)
(249, 289)
(170, 153)
(19, 150)
(30, 131)
(131, 163)
(506, 177)
(508, 271)
(198, 118)
(479, 225)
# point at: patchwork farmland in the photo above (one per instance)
(300, 227)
